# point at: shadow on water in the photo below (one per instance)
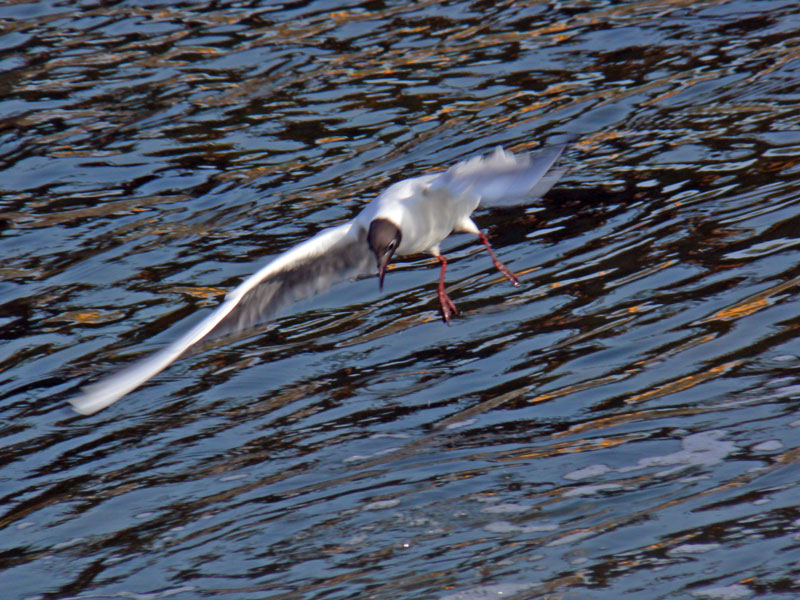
(623, 423)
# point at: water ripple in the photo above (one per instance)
(623, 423)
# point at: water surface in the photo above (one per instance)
(623, 423)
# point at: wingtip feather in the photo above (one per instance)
(93, 398)
(104, 393)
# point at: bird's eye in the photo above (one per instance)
(392, 244)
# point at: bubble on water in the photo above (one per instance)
(586, 472)
(73, 542)
(694, 478)
(591, 490)
(768, 446)
(178, 590)
(693, 548)
(356, 540)
(459, 424)
(381, 504)
(789, 391)
(490, 592)
(486, 498)
(729, 592)
(780, 381)
(508, 527)
(704, 449)
(571, 537)
(535, 557)
(506, 507)
(360, 457)
(785, 358)
(396, 436)
(649, 183)
(356, 458)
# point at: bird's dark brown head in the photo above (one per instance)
(383, 239)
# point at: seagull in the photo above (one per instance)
(410, 217)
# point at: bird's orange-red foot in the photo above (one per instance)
(497, 264)
(448, 308)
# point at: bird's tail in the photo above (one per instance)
(503, 178)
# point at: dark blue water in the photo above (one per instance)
(625, 423)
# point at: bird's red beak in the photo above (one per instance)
(383, 262)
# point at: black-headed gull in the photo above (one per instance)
(412, 216)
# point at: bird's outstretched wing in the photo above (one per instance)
(309, 268)
(503, 178)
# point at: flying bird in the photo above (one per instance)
(411, 216)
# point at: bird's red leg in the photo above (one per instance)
(498, 265)
(448, 308)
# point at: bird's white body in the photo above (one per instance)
(425, 209)
(425, 215)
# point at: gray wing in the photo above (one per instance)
(311, 267)
(504, 178)
(342, 258)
